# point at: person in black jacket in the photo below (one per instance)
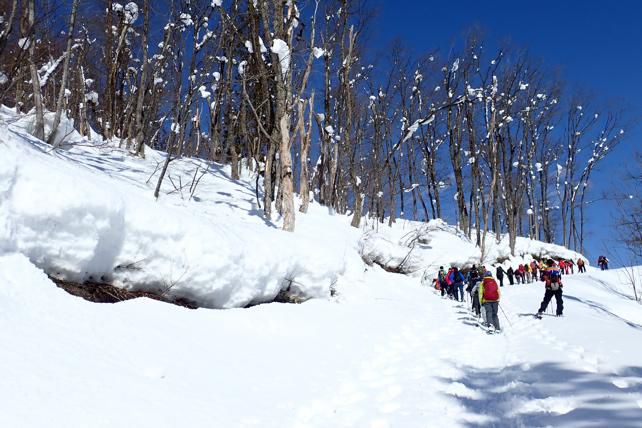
(500, 275)
(510, 274)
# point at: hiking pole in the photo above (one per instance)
(505, 316)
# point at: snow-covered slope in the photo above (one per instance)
(384, 352)
(388, 353)
(88, 213)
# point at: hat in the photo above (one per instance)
(488, 274)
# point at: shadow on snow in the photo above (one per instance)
(550, 394)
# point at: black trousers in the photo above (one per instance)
(558, 299)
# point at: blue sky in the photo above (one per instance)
(597, 45)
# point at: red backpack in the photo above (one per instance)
(491, 291)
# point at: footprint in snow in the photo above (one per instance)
(458, 389)
(620, 383)
(557, 405)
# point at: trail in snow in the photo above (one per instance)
(386, 353)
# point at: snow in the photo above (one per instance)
(455, 66)
(186, 19)
(89, 233)
(131, 13)
(281, 49)
(242, 66)
(47, 69)
(24, 43)
(3, 78)
(318, 52)
(385, 350)
(387, 353)
(204, 92)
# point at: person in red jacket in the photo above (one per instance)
(489, 299)
(562, 266)
(522, 274)
(581, 266)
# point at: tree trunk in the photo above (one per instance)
(65, 72)
(39, 124)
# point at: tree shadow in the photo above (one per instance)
(605, 311)
(548, 394)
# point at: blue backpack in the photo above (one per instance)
(553, 279)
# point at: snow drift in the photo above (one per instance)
(86, 213)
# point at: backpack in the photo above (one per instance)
(491, 291)
(553, 279)
(447, 279)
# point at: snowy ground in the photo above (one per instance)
(387, 353)
(384, 352)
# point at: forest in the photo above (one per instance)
(297, 93)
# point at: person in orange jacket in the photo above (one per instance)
(553, 285)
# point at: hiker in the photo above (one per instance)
(562, 266)
(570, 264)
(509, 274)
(520, 274)
(527, 273)
(500, 275)
(603, 263)
(472, 278)
(457, 283)
(474, 297)
(442, 280)
(489, 300)
(534, 271)
(553, 286)
(449, 285)
(581, 267)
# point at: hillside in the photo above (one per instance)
(87, 213)
(369, 349)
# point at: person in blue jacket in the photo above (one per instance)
(457, 280)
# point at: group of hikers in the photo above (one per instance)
(531, 272)
(484, 291)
